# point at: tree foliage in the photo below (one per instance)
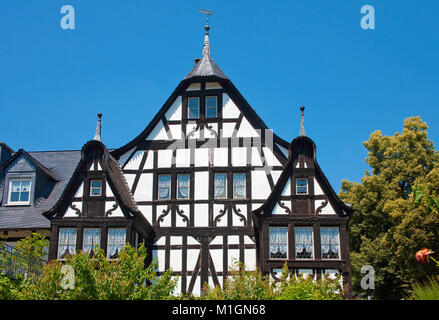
(252, 285)
(391, 222)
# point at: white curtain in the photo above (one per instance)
(115, 242)
(164, 186)
(239, 185)
(220, 185)
(304, 243)
(183, 186)
(278, 243)
(66, 242)
(91, 239)
(330, 245)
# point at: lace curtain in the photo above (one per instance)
(278, 243)
(220, 185)
(91, 239)
(239, 185)
(66, 243)
(304, 243)
(330, 246)
(116, 241)
(164, 186)
(183, 186)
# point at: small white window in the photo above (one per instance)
(304, 242)
(278, 243)
(329, 238)
(183, 186)
(91, 239)
(96, 188)
(19, 191)
(193, 108)
(116, 241)
(211, 107)
(301, 186)
(164, 189)
(220, 187)
(66, 242)
(239, 186)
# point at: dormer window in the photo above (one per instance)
(302, 186)
(193, 108)
(211, 107)
(19, 191)
(95, 188)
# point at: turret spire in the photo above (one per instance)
(206, 47)
(302, 122)
(98, 128)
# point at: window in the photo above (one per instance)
(115, 242)
(330, 243)
(220, 191)
(305, 273)
(95, 188)
(211, 107)
(301, 186)
(239, 185)
(183, 186)
(278, 243)
(91, 239)
(304, 242)
(193, 108)
(66, 242)
(164, 187)
(19, 191)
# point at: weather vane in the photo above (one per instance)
(207, 13)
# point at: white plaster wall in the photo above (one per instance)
(134, 162)
(239, 156)
(175, 110)
(70, 212)
(183, 158)
(175, 261)
(179, 220)
(201, 215)
(201, 157)
(220, 157)
(116, 213)
(158, 133)
(246, 129)
(275, 174)
(144, 187)
(192, 256)
(149, 163)
(123, 158)
(189, 128)
(317, 189)
(216, 212)
(237, 220)
(260, 186)
(147, 212)
(326, 210)
(176, 132)
(79, 192)
(287, 188)
(230, 110)
(227, 130)
(208, 134)
(250, 259)
(256, 158)
(213, 85)
(201, 191)
(232, 257)
(270, 158)
(167, 219)
(217, 257)
(129, 177)
(164, 158)
(109, 192)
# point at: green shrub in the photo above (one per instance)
(427, 291)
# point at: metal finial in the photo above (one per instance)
(206, 47)
(302, 122)
(98, 128)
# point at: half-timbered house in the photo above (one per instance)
(206, 183)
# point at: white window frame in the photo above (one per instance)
(188, 187)
(312, 240)
(59, 240)
(91, 188)
(214, 185)
(339, 251)
(307, 186)
(206, 107)
(245, 185)
(19, 203)
(269, 243)
(169, 187)
(109, 244)
(95, 244)
(189, 108)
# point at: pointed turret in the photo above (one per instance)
(302, 122)
(98, 128)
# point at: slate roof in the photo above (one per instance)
(206, 67)
(60, 164)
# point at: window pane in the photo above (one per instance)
(330, 243)
(304, 242)
(116, 241)
(193, 108)
(164, 191)
(278, 243)
(183, 186)
(220, 191)
(66, 242)
(96, 187)
(301, 186)
(15, 196)
(24, 197)
(91, 239)
(239, 185)
(211, 107)
(16, 186)
(25, 185)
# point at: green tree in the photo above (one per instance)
(388, 227)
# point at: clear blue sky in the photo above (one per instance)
(125, 58)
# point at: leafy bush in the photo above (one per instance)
(252, 285)
(428, 291)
